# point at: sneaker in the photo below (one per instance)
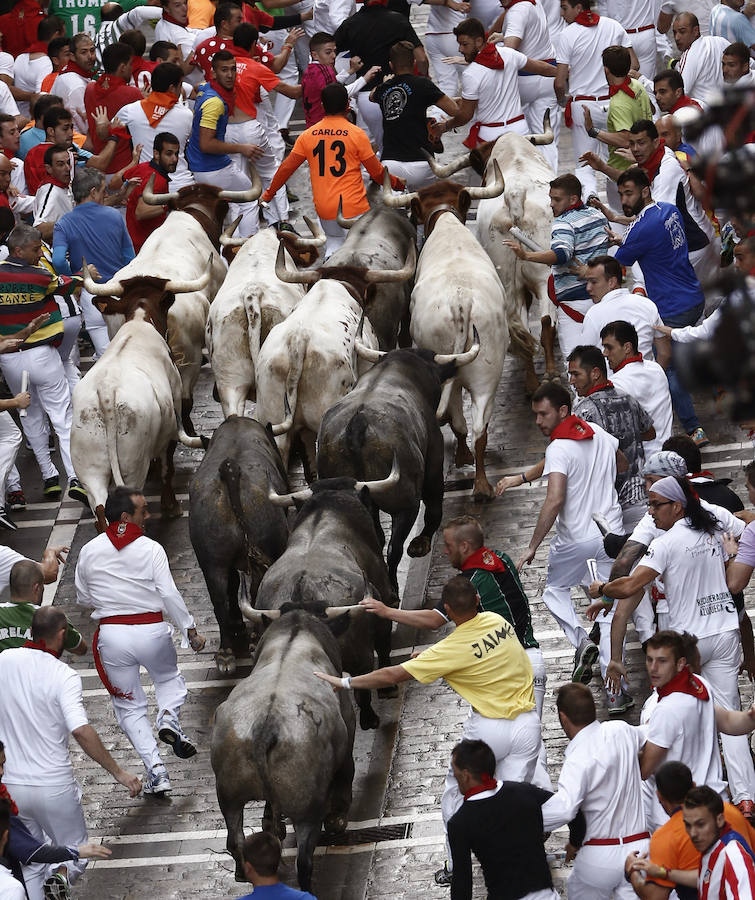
(443, 876)
(51, 488)
(586, 655)
(594, 634)
(76, 491)
(699, 437)
(182, 746)
(57, 887)
(621, 704)
(6, 521)
(747, 808)
(157, 781)
(15, 501)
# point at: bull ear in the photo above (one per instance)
(110, 306)
(465, 201)
(339, 625)
(416, 211)
(166, 301)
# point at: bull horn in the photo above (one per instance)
(333, 612)
(318, 236)
(227, 239)
(378, 487)
(547, 135)
(112, 288)
(387, 276)
(393, 200)
(368, 353)
(244, 196)
(489, 190)
(288, 499)
(187, 287)
(300, 276)
(445, 171)
(341, 218)
(156, 199)
(255, 616)
(461, 359)
(288, 419)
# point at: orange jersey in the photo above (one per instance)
(250, 76)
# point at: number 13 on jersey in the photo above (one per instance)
(330, 157)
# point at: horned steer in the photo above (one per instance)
(456, 287)
(127, 408)
(308, 362)
(284, 738)
(525, 204)
(250, 302)
(391, 413)
(334, 555)
(235, 530)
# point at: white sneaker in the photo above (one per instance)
(157, 781)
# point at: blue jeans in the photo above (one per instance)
(680, 398)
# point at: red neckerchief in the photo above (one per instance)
(37, 47)
(229, 98)
(121, 534)
(8, 154)
(599, 387)
(4, 200)
(72, 66)
(588, 18)
(573, 429)
(704, 473)
(4, 795)
(684, 100)
(156, 105)
(483, 559)
(624, 86)
(653, 162)
(578, 205)
(489, 57)
(168, 18)
(51, 179)
(636, 358)
(685, 682)
(40, 645)
(487, 784)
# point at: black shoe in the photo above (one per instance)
(182, 746)
(76, 491)
(6, 521)
(595, 633)
(15, 501)
(51, 488)
(443, 876)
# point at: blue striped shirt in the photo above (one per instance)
(576, 235)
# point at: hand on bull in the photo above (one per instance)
(93, 273)
(196, 640)
(375, 606)
(519, 251)
(331, 679)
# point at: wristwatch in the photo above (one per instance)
(593, 132)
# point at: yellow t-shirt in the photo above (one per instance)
(483, 661)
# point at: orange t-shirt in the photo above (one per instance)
(250, 75)
(200, 13)
(671, 847)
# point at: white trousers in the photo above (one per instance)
(284, 106)
(537, 96)
(253, 132)
(51, 812)
(94, 322)
(598, 872)
(447, 77)
(123, 648)
(490, 134)
(69, 350)
(50, 394)
(644, 45)
(541, 778)
(10, 443)
(569, 331)
(416, 173)
(233, 179)
(372, 116)
(335, 234)
(582, 142)
(720, 656)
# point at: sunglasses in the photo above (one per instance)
(654, 504)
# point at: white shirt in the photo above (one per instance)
(180, 35)
(636, 13)
(28, 74)
(665, 188)
(623, 305)
(702, 332)
(645, 530)
(590, 469)
(10, 887)
(487, 11)
(70, 87)
(527, 22)
(6, 63)
(8, 105)
(580, 48)
(8, 559)
(327, 15)
(699, 8)
(646, 381)
(556, 22)
(600, 765)
(51, 202)
(700, 67)
(177, 121)
(40, 705)
(495, 90)
(135, 579)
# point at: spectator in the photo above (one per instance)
(261, 855)
(11, 888)
(728, 21)
(174, 28)
(54, 198)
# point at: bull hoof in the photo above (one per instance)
(277, 828)
(239, 874)
(368, 719)
(483, 491)
(420, 546)
(464, 456)
(225, 661)
(388, 693)
(552, 376)
(335, 824)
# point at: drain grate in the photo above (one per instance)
(367, 835)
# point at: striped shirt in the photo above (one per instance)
(731, 24)
(727, 871)
(577, 234)
(25, 293)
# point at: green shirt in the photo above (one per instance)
(79, 15)
(623, 112)
(15, 626)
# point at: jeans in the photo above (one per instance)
(680, 398)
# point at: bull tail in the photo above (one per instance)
(462, 332)
(230, 474)
(108, 407)
(297, 350)
(264, 740)
(523, 344)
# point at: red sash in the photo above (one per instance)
(573, 314)
(148, 618)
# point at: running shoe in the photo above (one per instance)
(747, 808)
(51, 488)
(699, 437)
(182, 746)
(56, 887)
(623, 703)
(15, 500)
(6, 521)
(443, 876)
(157, 781)
(585, 656)
(76, 491)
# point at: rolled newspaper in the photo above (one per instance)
(523, 239)
(24, 389)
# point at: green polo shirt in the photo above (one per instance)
(15, 626)
(623, 112)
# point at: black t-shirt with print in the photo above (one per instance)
(404, 100)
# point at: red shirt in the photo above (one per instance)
(140, 230)
(113, 93)
(250, 76)
(258, 17)
(204, 52)
(19, 26)
(34, 166)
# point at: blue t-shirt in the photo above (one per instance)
(210, 111)
(656, 241)
(95, 232)
(30, 137)
(277, 892)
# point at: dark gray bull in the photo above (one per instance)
(233, 525)
(380, 239)
(334, 555)
(284, 736)
(390, 414)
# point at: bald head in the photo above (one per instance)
(686, 30)
(669, 132)
(744, 255)
(26, 582)
(49, 625)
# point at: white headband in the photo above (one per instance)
(669, 488)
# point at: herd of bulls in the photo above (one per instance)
(329, 386)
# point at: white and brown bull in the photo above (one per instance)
(309, 361)
(524, 204)
(456, 287)
(127, 408)
(251, 301)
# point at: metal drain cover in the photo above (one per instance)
(366, 835)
